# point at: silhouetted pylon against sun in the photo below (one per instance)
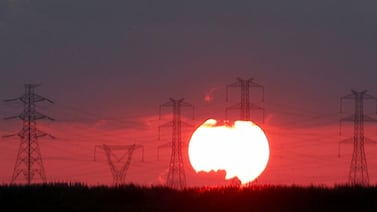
(245, 105)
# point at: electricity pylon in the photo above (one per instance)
(245, 106)
(358, 173)
(166, 145)
(176, 176)
(119, 172)
(29, 159)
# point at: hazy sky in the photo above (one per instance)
(108, 65)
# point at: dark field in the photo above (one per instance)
(76, 197)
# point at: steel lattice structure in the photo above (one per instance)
(176, 175)
(119, 172)
(166, 145)
(358, 173)
(29, 162)
(245, 106)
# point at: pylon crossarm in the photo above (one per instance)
(234, 107)
(167, 104)
(185, 104)
(11, 135)
(358, 93)
(38, 98)
(11, 117)
(255, 85)
(12, 100)
(348, 97)
(368, 96)
(142, 150)
(348, 140)
(119, 147)
(167, 124)
(40, 133)
(166, 145)
(347, 118)
(369, 141)
(33, 116)
(39, 115)
(95, 151)
(188, 105)
(369, 119)
(233, 85)
(121, 157)
(185, 124)
(256, 107)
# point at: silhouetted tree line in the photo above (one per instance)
(79, 197)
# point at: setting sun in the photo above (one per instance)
(242, 150)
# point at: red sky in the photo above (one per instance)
(299, 155)
(108, 65)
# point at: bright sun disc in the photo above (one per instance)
(241, 150)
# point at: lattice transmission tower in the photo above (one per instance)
(176, 175)
(358, 173)
(29, 162)
(245, 106)
(117, 162)
(165, 145)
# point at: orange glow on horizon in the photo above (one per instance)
(242, 150)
